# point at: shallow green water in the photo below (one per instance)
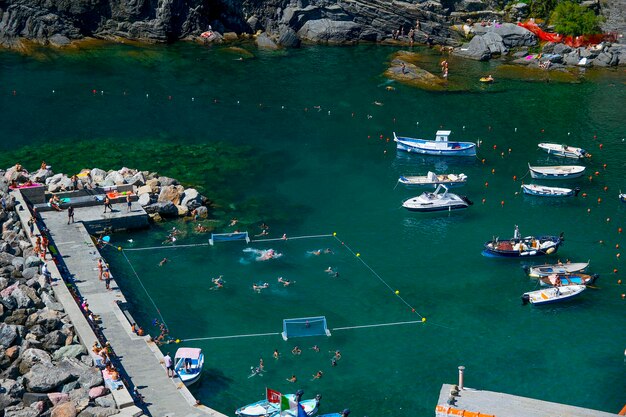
(306, 171)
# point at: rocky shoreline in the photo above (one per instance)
(44, 368)
(279, 23)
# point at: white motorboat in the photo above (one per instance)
(543, 191)
(556, 172)
(432, 179)
(537, 271)
(439, 200)
(552, 294)
(188, 364)
(564, 150)
(440, 146)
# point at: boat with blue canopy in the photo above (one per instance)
(440, 146)
(543, 191)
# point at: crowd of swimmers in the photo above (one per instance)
(297, 351)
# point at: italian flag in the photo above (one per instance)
(287, 404)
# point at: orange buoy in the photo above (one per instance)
(584, 195)
(601, 146)
(484, 200)
(604, 166)
(615, 272)
(493, 171)
(483, 160)
(381, 136)
(486, 184)
(542, 130)
(595, 136)
(590, 178)
(619, 282)
(596, 173)
(514, 177)
(623, 296)
(599, 200)
(617, 246)
(502, 203)
(606, 188)
(368, 136)
(617, 255)
(495, 147)
(619, 230)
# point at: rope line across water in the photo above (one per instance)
(144, 288)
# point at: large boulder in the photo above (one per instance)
(53, 341)
(144, 199)
(477, 49)
(605, 59)
(171, 193)
(329, 31)
(137, 179)
(41, 176)
(66, 409)
(71, 351)
(98, 412)
(470, 6)
(168, 209)
(8, 334)
(494, 43)
(19, 411)
(263, 41)
(191, 198)
(32, 261)
(165, 181)
(113, 178)
(22, 300)
(288, 37)
(45, 377)
(32, 357)
(98, 175)
(105, 401)
(512, 35)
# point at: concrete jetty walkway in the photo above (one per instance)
(141, 359)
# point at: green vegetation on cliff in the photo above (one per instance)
(572, 19)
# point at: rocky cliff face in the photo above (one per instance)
(60, 21)
(286, 21)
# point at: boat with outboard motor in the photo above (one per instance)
(556, 172)
(523, 246)
(552, 295)
(543, 191)
(560, 280)
(544, 270)
(564, 150)
(432, 179)
(439, 200)
(439, 146)
(271, 405)
(188, 364)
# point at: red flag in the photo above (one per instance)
(272, 396)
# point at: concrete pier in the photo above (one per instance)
(474, 403)
(141, 360)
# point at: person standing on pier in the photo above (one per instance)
(107, 204)
(128, 203)
(100, 268)
(70, 214)
(167, 360)
(107, 279)
(44, 247)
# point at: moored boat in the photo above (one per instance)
(552, 295)
(560, 280)
(622, 198)
(564, 150)
(537, 271)
(432, 179)
(310, 407)
(439, 200)
(271, 405)
(523, 246)
(188, 364)
(439, 146)
(556, 172)
(543, 191)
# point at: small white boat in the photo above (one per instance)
(564, 150)
(537, 271)
(556, 172)
(552, 294)
(560, 280)
(188, 364)
(432, 179)
(543, 191)
(439, 146)
(440, 200)
(622, 198)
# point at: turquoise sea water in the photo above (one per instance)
(300, 148)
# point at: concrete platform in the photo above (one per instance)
(473, 403)
(140, 359)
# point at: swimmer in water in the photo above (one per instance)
(259, 287)
(219, 283)
(316, 348)
(378, 103)
(163, 261)
(329, 270)
(233, 221)
(292, 379)
(285, 282)
(328, 251)
(315, 252)
(296, 350)
(276, 354)
(318, 375)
